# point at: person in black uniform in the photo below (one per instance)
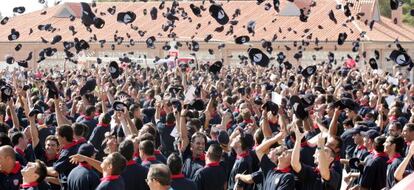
(24, 151)
(10, 176)
(84, 177)
(112, 168)
(146, 151)
(98, 134)
(159, 177)
(134, 174)
(34, 175)
(62, 166)
(278, 176)
(393, 146)
(321, 177)
(179, 182)
(213, 175)
(375, 170)
(243, 163)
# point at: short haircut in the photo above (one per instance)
(399, 143)
(198, 135)
(118, 163)
(161, 173)
(15, 137)
(148, 128)
(397, 125)
(4, 139)
(379, 143)
(52, 138)
(7, 151)
(147, 147)
(214, 152)
(410, 126)
(146, 136)
(80, 129)
(126, 148)
(66, 132)
(90, 110)
(41, 171)
(175, 163)
(106, 118)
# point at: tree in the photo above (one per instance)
(385, 10)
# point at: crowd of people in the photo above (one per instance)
(205, 127)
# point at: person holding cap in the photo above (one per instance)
(84, 177)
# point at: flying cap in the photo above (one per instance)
(257, 57)
(218, 14)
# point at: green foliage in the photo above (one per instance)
(385, 10)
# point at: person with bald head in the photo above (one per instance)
(10, 176)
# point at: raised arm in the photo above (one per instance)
(15, 119)
(183, 130)
(399, 173)
(295, 162)
(333, 126)
(263, 148)
(60, 118)
(323, 159)
(267, 132)
(77, 158)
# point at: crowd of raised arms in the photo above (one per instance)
(209, 127)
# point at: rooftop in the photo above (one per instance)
(269, 23)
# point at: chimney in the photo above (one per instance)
(396, 16)
(293, 7)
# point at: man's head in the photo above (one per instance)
(19, 140)
(334, 143)
(408, 132)
(7, 158)
(64, 134)
(159, 177)
(214, 153)
(369, 137)
(51, 145)
(379, 144)
(113, 164)
(90, 111)
(395, 129)
(126, 148)
(328, 151)
(146, 148)
(175, 163)
(198, 143)
(394, 145)
(80, 130)
(285, 158)
(34, 172)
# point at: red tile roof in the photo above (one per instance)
(382, 31)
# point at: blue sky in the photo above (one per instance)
(6, 6)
